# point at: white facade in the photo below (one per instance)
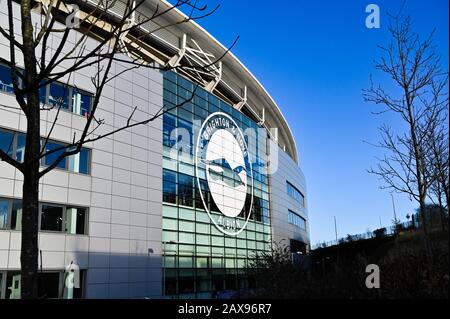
(281, 203)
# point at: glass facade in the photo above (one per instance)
(199, 258)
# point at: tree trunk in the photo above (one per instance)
(30, 196)
(30, 203)
(30, 217)
(426, 240)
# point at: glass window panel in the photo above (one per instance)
(217, 251)
(188, 214)
(296, 220)
(202, 262)
(203, 217)
(240, 263)
(4, 210)
(171, 224)
(5, 79)
(51, 158)
(7, 142)
(76, 219)
(187, 226)
(16, 215)
(59, 96)
(170, 76)
(206, 250)
(169, 236)
(186, 238)
(185, 190)
(48, 285)
(230, 263)
(169, 192)
(169, 262)
(51, 218)
(81, 102)
(217, 241)
(186, 249)
(217, 262)
(20, 148)
(230, 251)
(203, 239)
(202, 228)
(169, 176)
(185, 262)
(13, 285)
(170, 211)
(230, 242)
(241, 243)
(79, 163)
(260, 245)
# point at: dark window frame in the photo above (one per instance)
(64, 216)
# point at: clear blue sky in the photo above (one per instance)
(315, 57)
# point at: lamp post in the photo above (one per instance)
(164, 265)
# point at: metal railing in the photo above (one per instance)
(377, 233)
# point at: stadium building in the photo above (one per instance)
(174, 208)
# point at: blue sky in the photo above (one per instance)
(314, 58)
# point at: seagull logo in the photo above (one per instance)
(220, 167)
(226, 175)
(222, 152)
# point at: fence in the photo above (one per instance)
(381, 232)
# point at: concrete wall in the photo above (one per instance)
(123, 191)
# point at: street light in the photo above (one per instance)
(164, 264)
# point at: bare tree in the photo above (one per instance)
(417, 96)
(438, 154)
(116, 38)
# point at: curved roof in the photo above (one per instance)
(237, 75)
(164, 40)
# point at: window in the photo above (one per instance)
(76, 220)
(7, 142)
(10, 219)
(59, 96)
(12, 285)
(79, 163)
(16, 215)
(185, 189)
(81, 102)
(20, 147)
(4, 207)
(169, 186)
(295, 193)
(296, 220)
(51, 158)
(56, 94)
(13, 143)
(5, 79)
(50, 285)
(51, 218)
